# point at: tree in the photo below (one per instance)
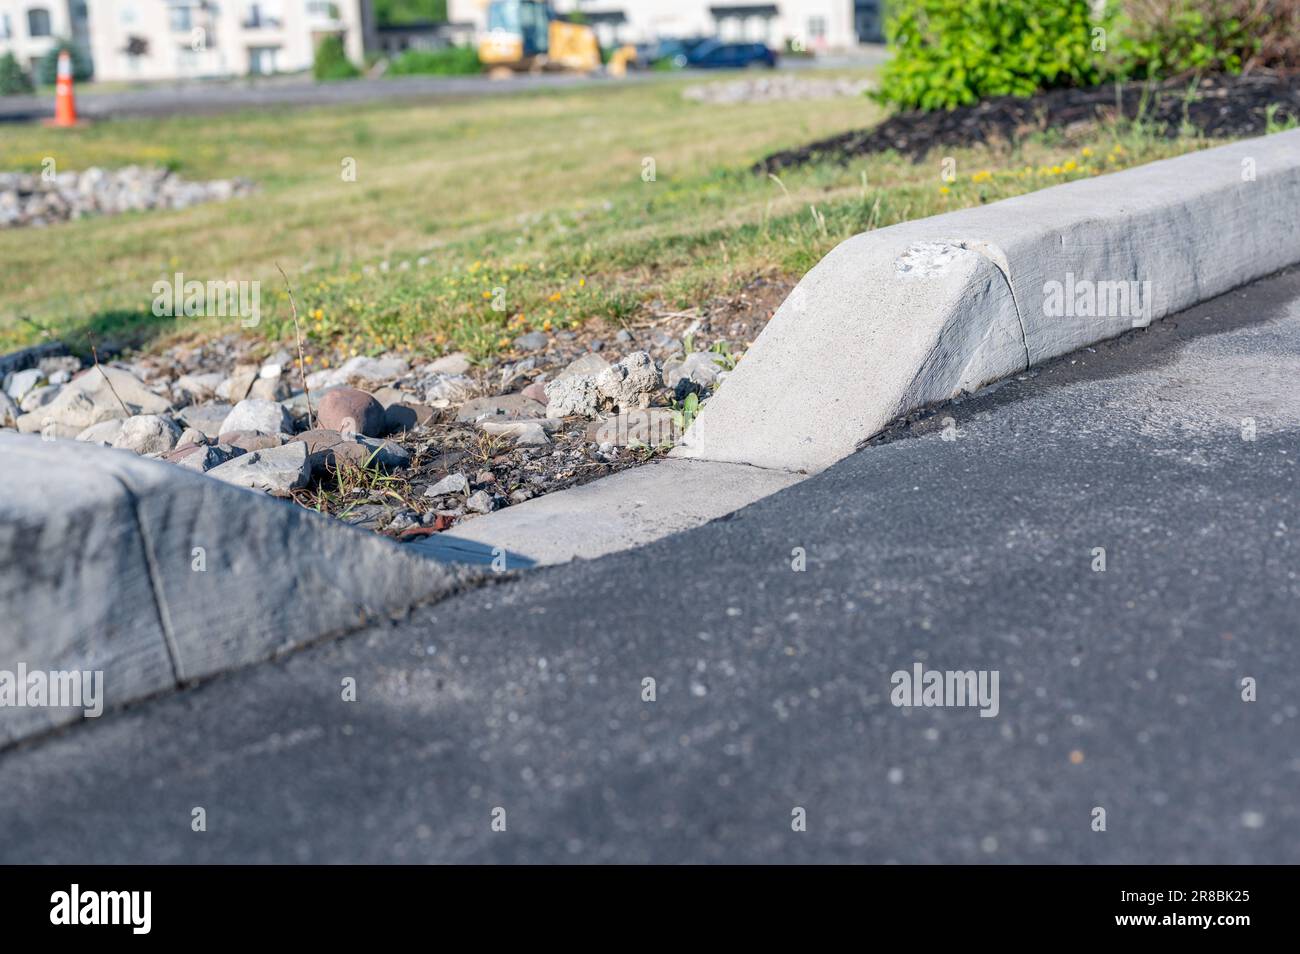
(13, 80)
(47, 68)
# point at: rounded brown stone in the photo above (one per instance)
(349, 410)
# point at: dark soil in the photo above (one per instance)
(1218, 107)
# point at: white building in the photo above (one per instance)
(179, 39)
(816, 25)
(30, 28)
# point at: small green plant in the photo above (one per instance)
(1271, 122)
(685, 411)
(332, 61)
(452, 61)
(724, 358)
(13, 80)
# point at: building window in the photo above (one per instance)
(262, 15)
(262, 59)
(6, 28)
(322, 10)
(180, 18)
(38, 22)
(816, 28)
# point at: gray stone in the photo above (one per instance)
(20, 383)
(576, 395)
(587, 364)
(235, 388)
(451, 484)
(533, 341)
(270, 389)
(525, 433)
(98, 395)
(206, 418)
(199, 457)
(631, 382)
(275, 470)
(481, 502)
(651, 426)
(453, 364)
(147, 434)
(697, 371)
(252, 414)
(39, 397)
(105, 432)
(445, 387)
(198, 387)
(628, 384)
(513, 406)
(191, 436)
(360, 371)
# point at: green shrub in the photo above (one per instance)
(12, 78)
(47, 67)
(332, 61)
(949, 53)
(1164, 38)
(452, 61)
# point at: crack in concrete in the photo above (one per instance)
(997, 258)
(155, 583)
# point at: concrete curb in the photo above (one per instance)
(158, 576)
(623, 510)
(916, 313)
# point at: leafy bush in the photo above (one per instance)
(47, 67)
(1164, 38)
(332, 61)
(12, 78)
(452, 61)
(950, 53)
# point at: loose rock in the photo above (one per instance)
(147, 434)
(252, 414)
(276, 470)
(349, 410)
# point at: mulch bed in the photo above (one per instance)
(1221, 107)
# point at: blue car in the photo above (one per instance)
(717, 55)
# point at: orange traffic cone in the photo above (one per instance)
(65, 104)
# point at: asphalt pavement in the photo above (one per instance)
(515, 723)
(206, 97)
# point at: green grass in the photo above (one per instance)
(540, 195)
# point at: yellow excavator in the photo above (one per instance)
(529, 35)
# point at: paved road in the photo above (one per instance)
(226, 96)
(1118, 690)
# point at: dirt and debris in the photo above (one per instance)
(1217, 106)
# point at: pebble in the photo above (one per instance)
(254, 414)
(349, 410)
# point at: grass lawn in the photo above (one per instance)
(471, 221)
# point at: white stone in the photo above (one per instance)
(253, 414)
(276, 470)
(147, 434)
